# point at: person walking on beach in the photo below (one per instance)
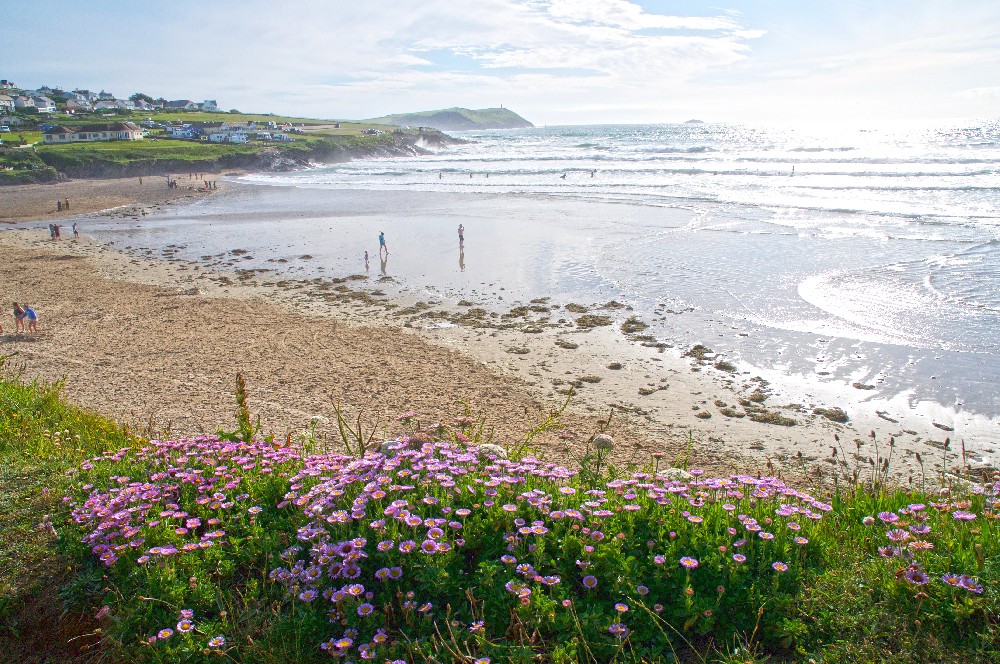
(461, 235)
(32, 319)
(66, 204)
(381, 244)
(58, 206)
(18, 318)
(76, 231)
(366, 260)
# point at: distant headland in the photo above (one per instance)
(457, 119)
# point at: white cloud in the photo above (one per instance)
(551, 60)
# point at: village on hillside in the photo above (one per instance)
(23, 109)
(52, 100)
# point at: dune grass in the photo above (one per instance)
(439, 547)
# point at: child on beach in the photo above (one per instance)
(381, 244)
(366, 259)
(76, 231)
(18, 318)
(32, 318)
(461, 235)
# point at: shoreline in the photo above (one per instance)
(657, 395)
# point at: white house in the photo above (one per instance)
(120, 131)
(6, 103)
(76, 104)
(86, 95)
(181, 132)
(21, 101)
(209, 106)
(120, 104)
(185, 104)
(44, 104)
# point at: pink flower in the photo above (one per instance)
(689, 562)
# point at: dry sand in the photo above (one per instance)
(158, 344)
(164, 358)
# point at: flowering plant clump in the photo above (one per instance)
(934, 549)
(412, 541)
(167, 512)
(424, 546)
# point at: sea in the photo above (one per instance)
(864, 258)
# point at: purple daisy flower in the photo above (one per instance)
(951, 579)
(689, 562)
(971, 584)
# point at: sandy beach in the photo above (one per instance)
(157, 342)
(38, 201)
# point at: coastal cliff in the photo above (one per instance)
(136, 159)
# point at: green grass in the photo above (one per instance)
(29, 136)
(153, 150)
(144, 150)
(839, 600)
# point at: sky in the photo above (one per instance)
(552, 61)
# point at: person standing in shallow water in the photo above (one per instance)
(381, 244)
(461, 235)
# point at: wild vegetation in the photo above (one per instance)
(440, 546)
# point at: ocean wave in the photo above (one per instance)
(841, 149)
(696, 149)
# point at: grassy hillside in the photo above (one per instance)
(458, 119)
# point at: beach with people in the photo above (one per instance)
(516, 320)
(124, 195)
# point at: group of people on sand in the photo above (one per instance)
(24, 313)
(62, 205)
(56, 234)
